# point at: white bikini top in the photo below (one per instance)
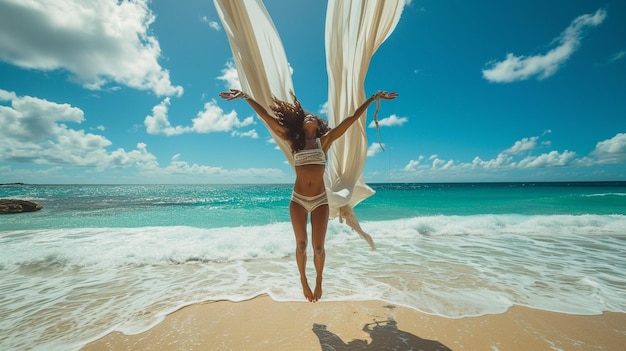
(314, 156)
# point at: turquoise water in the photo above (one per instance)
(100, 258)
(214, 206)
(202, 206)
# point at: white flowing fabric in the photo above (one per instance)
(354, 31)
(259, 56)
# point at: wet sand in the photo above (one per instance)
(264, 324)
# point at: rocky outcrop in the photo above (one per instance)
(17, 206)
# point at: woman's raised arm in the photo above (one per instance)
(271, 122)
(339, 130)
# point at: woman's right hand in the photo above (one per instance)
(385, 95)
(233, 94)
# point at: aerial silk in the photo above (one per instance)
(354, 31)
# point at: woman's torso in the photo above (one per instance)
(309, 166)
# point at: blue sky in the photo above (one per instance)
(127, 92)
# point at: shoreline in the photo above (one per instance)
(264, 324)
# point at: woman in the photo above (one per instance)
(310, 138)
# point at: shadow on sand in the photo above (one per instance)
(385, 335)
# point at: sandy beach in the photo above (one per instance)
(264, 324)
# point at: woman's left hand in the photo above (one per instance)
(233, 94)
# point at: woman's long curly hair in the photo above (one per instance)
(291, 116)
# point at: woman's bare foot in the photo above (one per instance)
(318, 291)
(307, 290)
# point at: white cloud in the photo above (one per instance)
(159, 123)
(178, 166)
(211, 119)
(99, 42)
(413, 164)
(550, 159)
(509, 158)
(390, 121)
(249, 134)
(183, 168)
(271, 141)
(442, 164)
(374, 148)
(523, 145)
(515, 68)
(32, 131)
(611, 150)
(230, 76)
(31, 119)
(527, 144)
(505, 160)
(212, 24)
(323, 110)
(501, 161)
(37, 131)
(140, 157)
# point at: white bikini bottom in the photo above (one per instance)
(310, 203)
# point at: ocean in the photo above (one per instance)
(103, 258)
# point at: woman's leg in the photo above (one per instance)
(298, 221)
(319, 225)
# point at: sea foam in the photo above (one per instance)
(84, 282)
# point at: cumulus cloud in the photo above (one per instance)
(526, 144)
(159, 123)
(183, 168)
(516, 68)
(213, 119)
(98, 42)
(611, 150)
(550, 159)
(391, 121)
(414, 164)
(35, 130)
(210, 120)
(230, 76)
(140, 157)
(38, 131)
(374, 148)
(178, 166)
(507, 159)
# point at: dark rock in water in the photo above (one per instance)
(17, 206)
